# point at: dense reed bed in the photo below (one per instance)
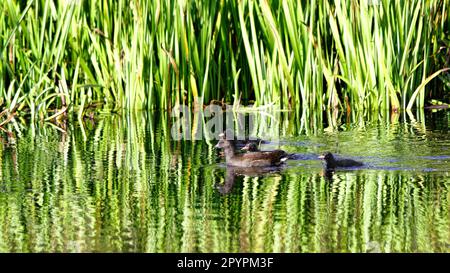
(61, 57)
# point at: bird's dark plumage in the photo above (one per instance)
(332, 163)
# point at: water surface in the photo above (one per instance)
(122, 185)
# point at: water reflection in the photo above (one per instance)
(124, 186)
(232, 173)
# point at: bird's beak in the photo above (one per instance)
(217, 146)
(245, 148)
(321, 156)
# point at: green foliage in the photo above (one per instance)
(59, 56)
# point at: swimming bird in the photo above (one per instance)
(250, 147)
(333, 163)
(253, 147)
(253, 159)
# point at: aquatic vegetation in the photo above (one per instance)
(62, 57)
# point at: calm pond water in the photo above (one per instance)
(122, 185)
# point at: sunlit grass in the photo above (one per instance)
(67, 56)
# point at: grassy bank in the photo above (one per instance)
(61, 57)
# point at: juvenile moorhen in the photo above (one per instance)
(333, 163)
(253, 147)
(253, 159)
(240, 143)
(245, 142)
(250, 147)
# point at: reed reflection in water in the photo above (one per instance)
(129, 188)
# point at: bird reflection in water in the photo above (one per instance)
(232, 173)
(327, 174)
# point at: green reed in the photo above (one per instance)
(62, 57)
